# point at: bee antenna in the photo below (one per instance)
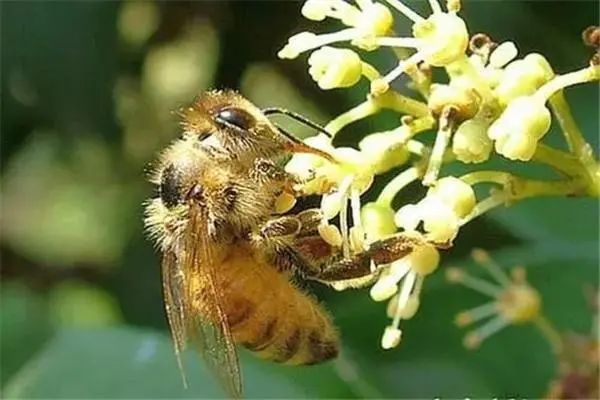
(295, 116)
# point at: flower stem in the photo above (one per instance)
(446, 127)
(550, 333)
(560, 82)
(356, 113)
(405, 105)
(562, 112)
(400, 181)
(559, 160)
(369, 71)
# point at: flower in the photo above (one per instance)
(514, 301)
(470, 143)
(334, 68)
(523, 78)
(365, 23)
(517, 131)
(411, 272)
(441, 210)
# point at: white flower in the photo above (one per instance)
(402, 281)
(441, 210)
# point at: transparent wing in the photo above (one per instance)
(173, 292)
(194, 305)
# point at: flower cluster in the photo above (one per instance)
(494, 103)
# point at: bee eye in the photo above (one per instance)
(170, 187)
(237, 117)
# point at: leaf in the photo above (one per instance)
(25, 327)
(132, 363)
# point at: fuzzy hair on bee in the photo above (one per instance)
(230, 255)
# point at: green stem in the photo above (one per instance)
(400, 181)
(565, 119)
(499, 177)
(442, 139)
(560, 82)
(404, 105)
(559, 160)
(370, 72)
(420, 79)
(356, 113)
(516, 189)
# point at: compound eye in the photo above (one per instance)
(170, 187)
(237, 117)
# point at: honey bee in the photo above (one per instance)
(230, 263)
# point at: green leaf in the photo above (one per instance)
(25, 327)
(128, 363)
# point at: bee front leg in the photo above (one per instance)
(266, 172)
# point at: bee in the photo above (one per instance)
(230, 263)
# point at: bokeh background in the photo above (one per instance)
(88, 90)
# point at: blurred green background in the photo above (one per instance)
(88, 90)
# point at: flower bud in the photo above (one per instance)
(408, 217)
(470, 143)
(523, 78)
(297, 44)
(384, 151)
(439, 221)
(463, 99)
(334, 68)
(524, 122)
(445, 38)
(454, 193)
(503, 54)
(377, 220)
(316, 10)
(376, 20)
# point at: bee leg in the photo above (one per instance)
(265, 171)
(363, 264)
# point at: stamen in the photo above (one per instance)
(412, 43)
(407, 287)
(343, 190)
(474, 339)
(356, 219)
(398, 269)
(477, 313)
(410, 14)
(340, 36)
(402, 65)
(435, 6)
(478, 285)
(484, 260)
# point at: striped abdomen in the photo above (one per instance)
(270, 317)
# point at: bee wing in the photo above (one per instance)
(194, 301)
(173, 291)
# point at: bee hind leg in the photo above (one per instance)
(361, 268)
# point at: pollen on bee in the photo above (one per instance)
(331, 234)
(284, 203)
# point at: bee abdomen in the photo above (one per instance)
(295, 344)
